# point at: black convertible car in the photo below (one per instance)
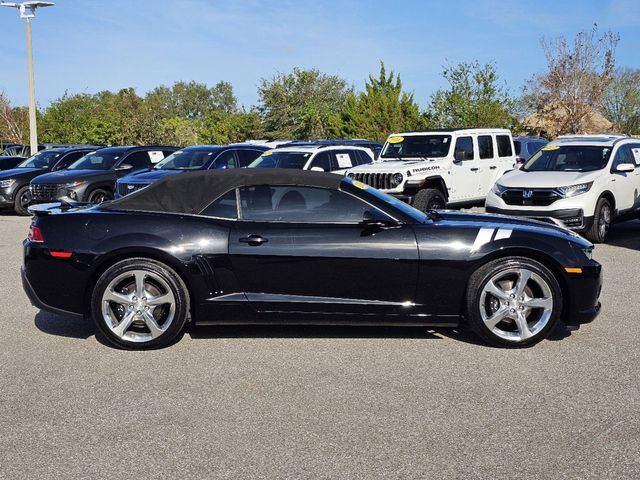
(290, 246)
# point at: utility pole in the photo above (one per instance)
(28, 11)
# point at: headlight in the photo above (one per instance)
(396, 179)
(573, 190)
(498, 189)
(7, 183)
(73, 184)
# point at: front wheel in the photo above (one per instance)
(99, 196)
(599, 231)
(140, 304)
(22, 201)
(513, 302)
(429, 199)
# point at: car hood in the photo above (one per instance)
(21, 173)
(522, 179)
(489, 220)
(66, 176)
(149, 176)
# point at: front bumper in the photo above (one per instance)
(572, 218)
(584, 294)
(6, 198)
(569, 211)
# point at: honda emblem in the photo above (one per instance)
(527, 193)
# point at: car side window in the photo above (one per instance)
(297, 204)
(485, 146)
(504, 145)
(362, 157)
(323, 160)
(635, 153)
(226, 159)
(623, 155)
(464, 149)
(69, 158)
(138, 160)
(246, 156)
(344, 159)
(223, 207)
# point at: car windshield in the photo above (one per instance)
(275, 159)
(568, 158)
(96, 161)
(399, 204)
(428, 146)
(44, 159)
(191, 159)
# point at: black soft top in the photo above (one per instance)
(191, 192)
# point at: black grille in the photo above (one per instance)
(530, 197)
(375, 180)
(44, 191)
(127, 188)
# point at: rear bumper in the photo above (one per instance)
(38, 303)
(572, 218)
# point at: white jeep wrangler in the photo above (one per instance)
(439, 168)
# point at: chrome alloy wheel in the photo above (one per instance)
(516, 304)
(138, 306)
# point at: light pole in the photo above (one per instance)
(28, 11)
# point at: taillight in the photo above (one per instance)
(35, 234)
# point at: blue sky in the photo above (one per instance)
(93, 45)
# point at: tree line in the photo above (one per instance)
(580, 79)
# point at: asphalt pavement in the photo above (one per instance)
(313, 402)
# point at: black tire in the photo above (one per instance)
(479, 280)
(100, 195)
(602, 219)
(159, 270)
(429, 199)
(19, 205)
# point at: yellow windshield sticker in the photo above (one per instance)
(267, 153)
(550, 147)
(395, 139)
(360, 185)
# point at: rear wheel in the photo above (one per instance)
(140, 304)
(513, 302)
(99, 196)
(429, 199)
(22, 201)
(602, 218)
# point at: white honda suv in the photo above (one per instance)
(585, 181)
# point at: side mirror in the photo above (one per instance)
(625, 168)
(458, 156)
(125, 167)
(317, 169)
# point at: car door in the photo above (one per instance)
(625, 185)
(489, 162)
(305, 249)
(465, 170)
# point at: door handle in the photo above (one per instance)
(474, 169)
(493, 167)
(253, 240)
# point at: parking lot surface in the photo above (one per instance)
(313, 402)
